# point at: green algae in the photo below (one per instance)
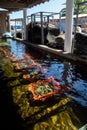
(1, 54)
(2, 44)
(8, 68)
(45, 117)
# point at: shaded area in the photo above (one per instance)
(9, 118)
(81, 44)
(51, 35)
(34, 33)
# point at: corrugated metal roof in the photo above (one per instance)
(15, 5)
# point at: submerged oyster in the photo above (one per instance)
(44, 88)
(32, 75)
(21, 65)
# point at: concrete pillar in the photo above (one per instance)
(15, 29)
(34, 18)
(60, 21)
(48, 19)
(69, 27)
(42, 29)
(8, 23)
(24, 22)
(32, 24)
(53, 19)
(22, 30)
(4, 23)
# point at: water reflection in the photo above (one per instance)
(66, 112)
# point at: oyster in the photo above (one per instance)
(31, 75)
(43, 89)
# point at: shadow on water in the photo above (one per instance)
(9, 119)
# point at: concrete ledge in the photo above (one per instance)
(60, 53)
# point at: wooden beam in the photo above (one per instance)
(12, 5)
(19, 4)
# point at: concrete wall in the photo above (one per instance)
(82, 20)
(4, 22)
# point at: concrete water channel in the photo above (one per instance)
(66, 111)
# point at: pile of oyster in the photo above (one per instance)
(44, 88)
(32, 73)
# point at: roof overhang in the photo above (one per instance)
(15, 5)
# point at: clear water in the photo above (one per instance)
(67, 73)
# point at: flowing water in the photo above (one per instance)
(65, 112)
